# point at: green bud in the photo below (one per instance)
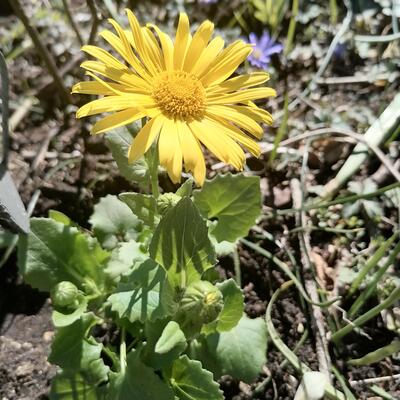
(202, 301)
(64, 294)
(167, 201)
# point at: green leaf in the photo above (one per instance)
(234, 200)
(138, 383)
(233, 308)
(54, 252)
(119, 143)
(61, 217)
(6, 238)
(172, 338)
(74, 351)
(138, 299)
(181, 245)
(61, 319)
(186, 188)
(123, 260)
(144, 206)
(190, 381)
(73, 387)
(241, 352)
(113, 221)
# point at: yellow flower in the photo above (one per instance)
(184, 89)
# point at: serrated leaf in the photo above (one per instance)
(232, 310)
(54, 252)
(234, 200)
(172, 338)
(74, 387)
(181, 245)
(138, 299)
(61, 319)
(138, 383)
(123, 260)
(144, 206)
(119, 143)
(75, 352)
(229, 353)
(112, 221)
(190, 381)
(186, 188)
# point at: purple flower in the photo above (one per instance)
(263, 49)
(208, 1)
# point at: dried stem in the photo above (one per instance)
(44, 53)
(72, 22)
(95, 23)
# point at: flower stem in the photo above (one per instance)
(153, 167)
(122, 351)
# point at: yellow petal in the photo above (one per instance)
(128, 53)
(236, 134)
(198, 44)
(208, 56)
(116, 120)
(90, 87)
(239, 82)
(226, 63)
(167, 48)
(145, 138)
(242, 96)
(169, 150)
(104, 56)
(238, 118)
(113, 103)
(192, 154)
(153, 48)
(125, 77)
(256, 113)
(182, 41)
(225, 148)
(140, 42)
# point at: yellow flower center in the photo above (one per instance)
(179, 95)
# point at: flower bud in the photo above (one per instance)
(64, 294)
(202, 301)
(167, 201)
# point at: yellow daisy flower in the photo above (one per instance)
(184, 89)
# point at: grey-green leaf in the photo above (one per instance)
(190, 381)
(234, 200)
(74, 387)
(143, 206)
(54, 252)
(171, 338)
(138, 299)
(74, 351)
(233, 308)
(113, 221)
(229, 353)
(119, 142)
(138, 383)
(181, 245)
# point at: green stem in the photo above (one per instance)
(371, 264)
(330, 392)
(292, 27)
(236, 264)
(111, 355)
(334, 11)
(390, 300)
(285, 268)
(122, 351)
(366, 294)
(154, 172)
(340, 200)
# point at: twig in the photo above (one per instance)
(44, 53)
(375, 380)
(324, 360)
(72, 22)
(377, 39)
(95, 23)
(360, 78)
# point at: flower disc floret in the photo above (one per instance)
(179, 95)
